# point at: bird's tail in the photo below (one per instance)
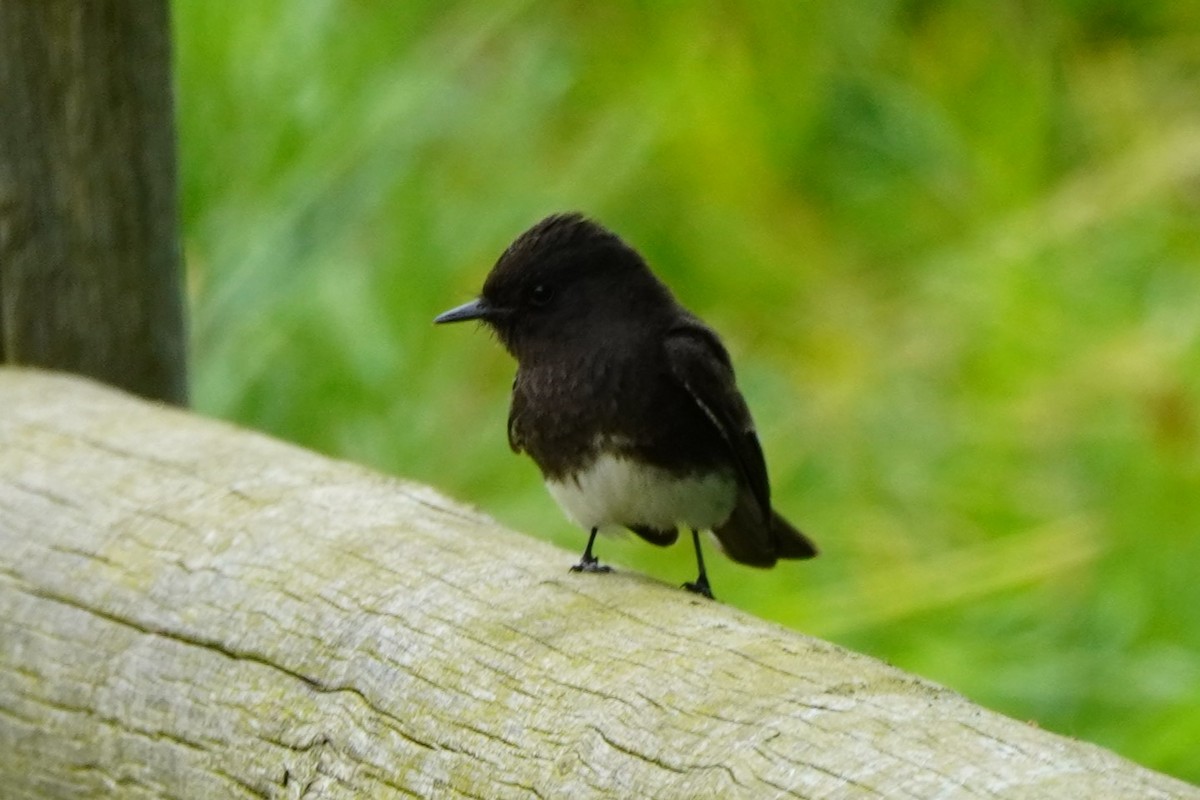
(745, 538)
(789, 542)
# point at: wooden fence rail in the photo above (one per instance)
(192, 610)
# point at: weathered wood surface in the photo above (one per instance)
(192, 610)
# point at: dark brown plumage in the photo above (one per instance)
(625, 400)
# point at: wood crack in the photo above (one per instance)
(222, 649)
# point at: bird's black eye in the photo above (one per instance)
(541, 294)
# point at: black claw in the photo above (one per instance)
(588, 562)
(591, 565)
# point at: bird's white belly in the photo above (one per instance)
(614, 490)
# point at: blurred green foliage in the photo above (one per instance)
(954, 248)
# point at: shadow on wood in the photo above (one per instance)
(187, 608)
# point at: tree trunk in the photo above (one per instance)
(89, 252)
(192, 610)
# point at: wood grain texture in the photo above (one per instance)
(192, 610)
(90, 265)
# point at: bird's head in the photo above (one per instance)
(562, 278)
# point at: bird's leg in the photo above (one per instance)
(700, 585)
(589, 563)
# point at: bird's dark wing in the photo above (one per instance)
(754, 534)
(701, 364)
(514, 412)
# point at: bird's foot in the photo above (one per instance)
(591, 564)
(700, 586)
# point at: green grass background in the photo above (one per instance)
(953, 247)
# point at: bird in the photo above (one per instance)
(625, 400)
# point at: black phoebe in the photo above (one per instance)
(625, 400)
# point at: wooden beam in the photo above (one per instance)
(190, 609)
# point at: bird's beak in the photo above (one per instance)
(476, 309)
